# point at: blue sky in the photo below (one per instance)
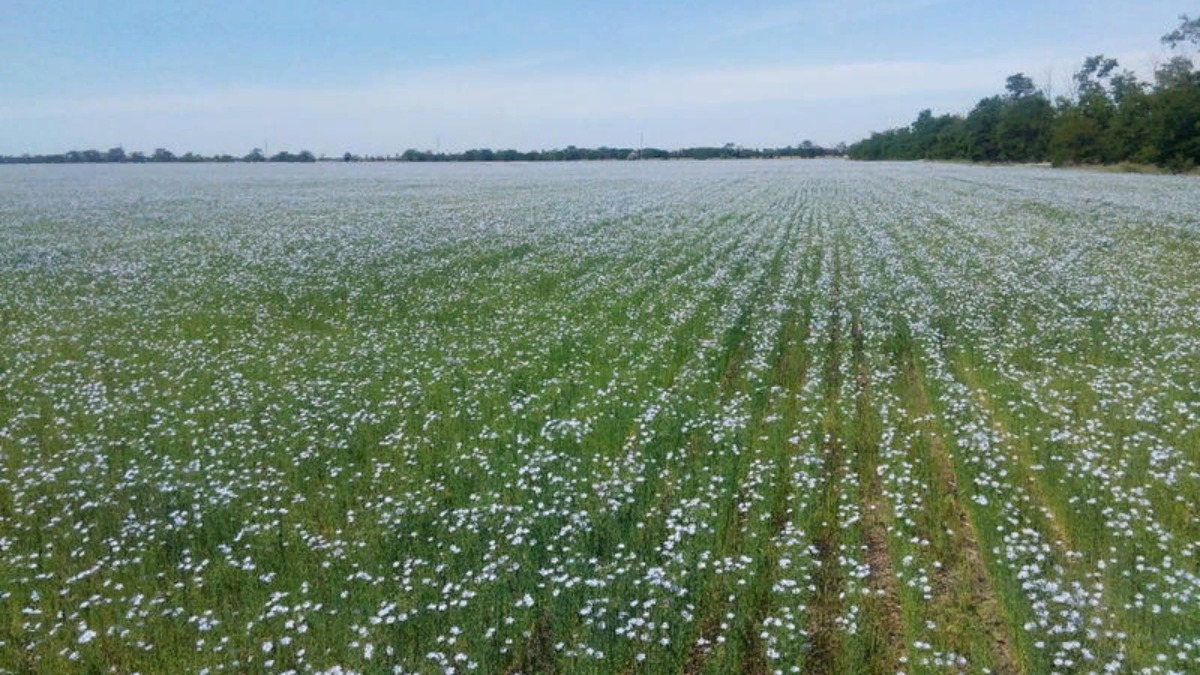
(379, 77)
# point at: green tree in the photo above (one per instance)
(1081, 125)
(923, 134)
(1128, 137)
(1175, 112)
(951, 140)
(1188, 31)
(1111, 116)
(1075, 138)
(1089, 79)
(1023, 132)
(1019, 86)
(981, 127)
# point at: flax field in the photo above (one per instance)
(676, 417)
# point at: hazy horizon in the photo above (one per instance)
(378, 79)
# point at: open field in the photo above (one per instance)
(622, 418)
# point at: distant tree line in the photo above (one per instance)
(806, 149)
(160, 155)
(1110, 116)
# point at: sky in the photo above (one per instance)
(380, 77)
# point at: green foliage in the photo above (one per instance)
(1112, 117)
(1188, 31)
(1023, 132)
(1019, 86)
(1076, 137)
(982, 130)
(1175, 125)
(1014, 128)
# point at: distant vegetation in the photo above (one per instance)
(806, 149)
(160, 155)
(1109, 116)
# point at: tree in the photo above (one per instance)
(1076, 136)
(1175, 113)
(981, 125)
(951, 140)
(1123, 85)
(932, 137)
(1188, 31)
(1019, 86)
(924, 133)
(255, 155)
(1110, 116)
(1090, 76)
(1176, 127)
(1082, 125)
(1023, 132)
(1175, 72)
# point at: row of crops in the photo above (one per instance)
(699, 418)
